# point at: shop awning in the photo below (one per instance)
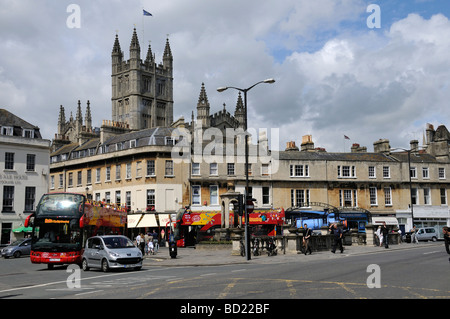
(148, 220)
(388, 220)
(133, 220)
(23, 229)
(163, 219)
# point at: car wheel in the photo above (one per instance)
(434, 239)
(17, 254)
(84, 265)
(105, 266)
(138, 268)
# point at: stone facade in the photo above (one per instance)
(24, 172)
(142, 90)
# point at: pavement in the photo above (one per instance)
(191, 256)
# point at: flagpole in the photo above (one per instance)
(143, 27)
(345, 138)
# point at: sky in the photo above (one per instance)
(342, 68)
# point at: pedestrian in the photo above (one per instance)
(150, 248)
(379, 236)
(385, 232)
(147, 238)
(446, 239)
(155, 241)
(138, 241)
(400, 236)
(337, 235)
(307, 239)
(414, 238)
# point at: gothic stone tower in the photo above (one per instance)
(142, 91)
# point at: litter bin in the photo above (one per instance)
(173, 249)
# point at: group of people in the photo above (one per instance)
(337, 239)
(148, 243)
(383, 235)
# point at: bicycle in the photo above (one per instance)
(242, 248)
(256, 250)
(271, 247)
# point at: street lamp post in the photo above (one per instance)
(246, 197)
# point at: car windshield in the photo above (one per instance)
(18, 242)
(118, 242)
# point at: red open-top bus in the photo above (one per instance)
(63, 222)
(198, 226)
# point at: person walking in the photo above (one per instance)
(385, 232)
(155, 241)
(337, 232)
(307, 239)
(147, 238)
(379, 236)
(414, 238)
(140, 241)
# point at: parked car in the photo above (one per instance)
(17, 248)
(427, 233)
(111, 252)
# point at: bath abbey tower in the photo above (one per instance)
(142, 90)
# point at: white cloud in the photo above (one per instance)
(369, 93)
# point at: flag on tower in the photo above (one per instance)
(346, 137)
(146, 13)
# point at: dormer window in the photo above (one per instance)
(170, 141)
(7, 130)
(28, 133)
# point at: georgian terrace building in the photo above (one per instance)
(311, 179)
(24, 171)
(377, 182)
(132, 169)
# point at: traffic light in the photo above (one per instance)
(238, 205)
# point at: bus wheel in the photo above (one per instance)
(105, 266)
(84, 265)
(49, 266)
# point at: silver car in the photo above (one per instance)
(17, 248)
(427, 233)
(111, 252)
